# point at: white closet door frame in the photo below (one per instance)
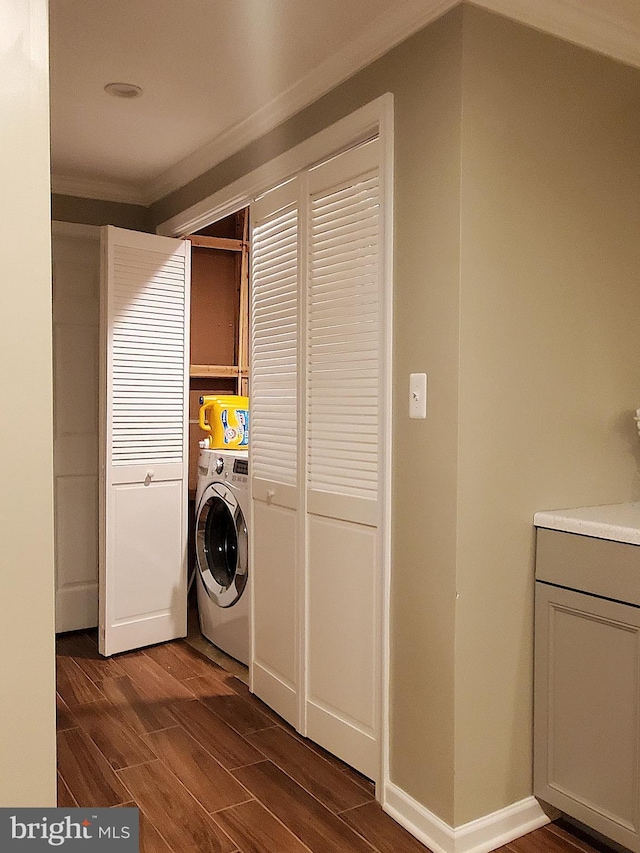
(374, 118)
(303, 522)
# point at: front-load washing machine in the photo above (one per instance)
(222, 549)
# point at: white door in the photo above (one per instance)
(275, 537)
(344, 443)
(143, 441)
(76, 318)
(316, 446)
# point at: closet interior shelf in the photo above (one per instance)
(218, 371)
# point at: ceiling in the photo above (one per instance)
(216, 74)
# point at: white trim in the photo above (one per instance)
(302, 577)
(75, 229)
(478, 836)
(126, 192)
(240, 193)
(386, 135)
(501, 827)
(419, 821)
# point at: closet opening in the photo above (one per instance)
(320, 498)
(176, 318)
(219, 367)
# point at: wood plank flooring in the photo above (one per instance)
(211, 768)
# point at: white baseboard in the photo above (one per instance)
(437, 835)
(501, 827)
(478, 836)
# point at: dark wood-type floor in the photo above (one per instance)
(210, 767)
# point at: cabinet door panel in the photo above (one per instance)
(587, 709)
(275, 609)
(342, 640)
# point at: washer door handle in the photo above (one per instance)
(149, 476)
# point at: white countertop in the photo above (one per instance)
(617, 522)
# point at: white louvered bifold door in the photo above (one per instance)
(143, 434)
(274, 450)
(343, 446)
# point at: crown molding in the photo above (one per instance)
(590, 26)
(593, 26)
(374, 117)
(102, 190)
(371, 44)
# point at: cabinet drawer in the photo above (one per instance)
(597, 566)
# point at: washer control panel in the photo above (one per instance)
(240, 472)
(241, 466)
(224, 465)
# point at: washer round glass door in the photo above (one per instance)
(222, 545)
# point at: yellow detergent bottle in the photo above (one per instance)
(226, 420)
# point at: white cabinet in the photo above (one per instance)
(587, 681)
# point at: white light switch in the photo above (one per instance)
(418, 395)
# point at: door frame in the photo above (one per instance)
(374, 118)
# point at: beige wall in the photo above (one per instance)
(27, 697)
(549, 355)
(426, 87)
(516, 257)
(90, 211)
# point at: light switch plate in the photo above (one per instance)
(418, 395)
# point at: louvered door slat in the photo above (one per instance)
(274, 372)
(343, 341)
(158, 281)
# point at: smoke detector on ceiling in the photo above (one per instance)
(123, 90)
